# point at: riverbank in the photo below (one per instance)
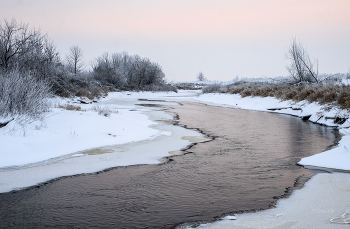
(80, 140)
(115, 119)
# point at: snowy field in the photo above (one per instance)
(72, 142)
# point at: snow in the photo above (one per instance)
(73, 142)
(65, 132)
(337, 158)
(322, 203)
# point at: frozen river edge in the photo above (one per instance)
(310, 194)
(75, 142)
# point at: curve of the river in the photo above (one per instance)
(249, 165)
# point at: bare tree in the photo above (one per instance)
(302, 69)
(201, 77)
(18, 44)
(75, 60)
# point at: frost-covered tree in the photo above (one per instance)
(26, 50)
(201, 77)
(74, 60)
(302, 68)
(22, 95)
(123, 70)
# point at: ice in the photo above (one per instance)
(343, 218)
(322, 203)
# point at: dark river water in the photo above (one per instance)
(249, 165)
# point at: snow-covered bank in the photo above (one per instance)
(337, 158)
(59, 145)
(64, 132)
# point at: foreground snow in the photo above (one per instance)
(337, 158)
(322, 203)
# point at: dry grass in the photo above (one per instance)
(84, 93)
(324, 94)
(69, 107)
(105, 111)
(101, 110)
(344, 99)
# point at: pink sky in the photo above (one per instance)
(222, 38)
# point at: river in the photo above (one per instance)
(249, 164)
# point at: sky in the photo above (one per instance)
(221, 38)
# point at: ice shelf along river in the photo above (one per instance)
(248, 164)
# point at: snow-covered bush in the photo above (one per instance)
(27, 50)
(23, 95)
(214, 88)
(161, 87)
(124, 71)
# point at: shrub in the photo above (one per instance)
(121, 70)
(317, 96)
(23, 95)
(329, 97)
(162, 87)
(213, 88)
(304, 93)
(344, 99)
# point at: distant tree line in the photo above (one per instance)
(28, 54)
